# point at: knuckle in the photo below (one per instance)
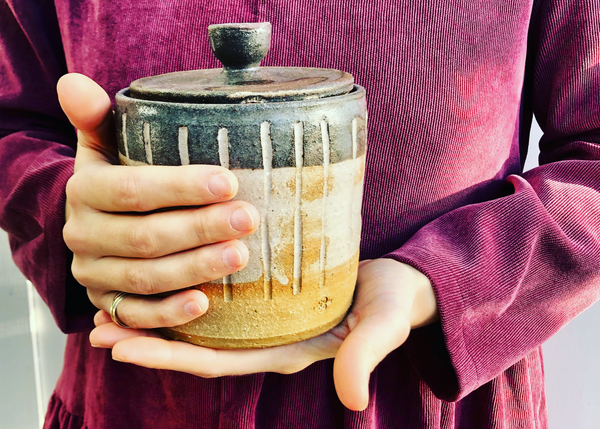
(127, 192)
(167, 319)
(201, 229)
(72, 236)
(196, 271)
(73, 188)
(141, 241)
(186, 189)
(80, 271)
(185, 196)
(137, 280)
(127, 314)
(132, 323)
(94, 298)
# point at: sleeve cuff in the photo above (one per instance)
(438, 352)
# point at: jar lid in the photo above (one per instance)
(241, 48)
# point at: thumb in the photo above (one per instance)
(371, 341)
(88, 108)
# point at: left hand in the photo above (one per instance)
(391, 299)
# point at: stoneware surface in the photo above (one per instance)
(299, 162)
(302, 165)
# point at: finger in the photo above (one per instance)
(178, 356)
(370, 341)
(154, 351)
(108, 334)
(101, 317)
(159, 234)
(147, 312)
(146, 188)
(168, 273)
(149, 349)
(88, 108)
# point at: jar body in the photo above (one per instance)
(301, 164)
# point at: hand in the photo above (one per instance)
(391, 298)
(120, 239)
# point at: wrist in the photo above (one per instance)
(424, 308)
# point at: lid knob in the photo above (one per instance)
(240, 46)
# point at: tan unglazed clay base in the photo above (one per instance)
(251, 321)
(251, 343)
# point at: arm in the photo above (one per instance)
(37, 153)
(509, 273)
(36, 158)
(39, 193)
(48, 182)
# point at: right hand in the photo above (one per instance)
(122, 241)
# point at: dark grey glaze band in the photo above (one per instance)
(151, 131)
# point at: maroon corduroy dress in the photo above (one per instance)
(451, 89)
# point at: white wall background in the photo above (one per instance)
(31, 350)
(571, 358)
(18, 407)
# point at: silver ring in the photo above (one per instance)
(113, 309)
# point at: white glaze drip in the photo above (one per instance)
(184, 155)
(147, 144)
(326, 156)
(223, 142)
(299, 150)
(354, 137)
(354, 151)
(124, 133)
(267, 156)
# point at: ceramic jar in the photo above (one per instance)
(296, 140)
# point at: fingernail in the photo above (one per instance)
(242, 220)
(193, 308)
(220, 186)
(94, 345)
(232, 257)
(118, 358)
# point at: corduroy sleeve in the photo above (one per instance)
(510, 272)
(37, 149)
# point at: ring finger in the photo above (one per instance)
(147, 312)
